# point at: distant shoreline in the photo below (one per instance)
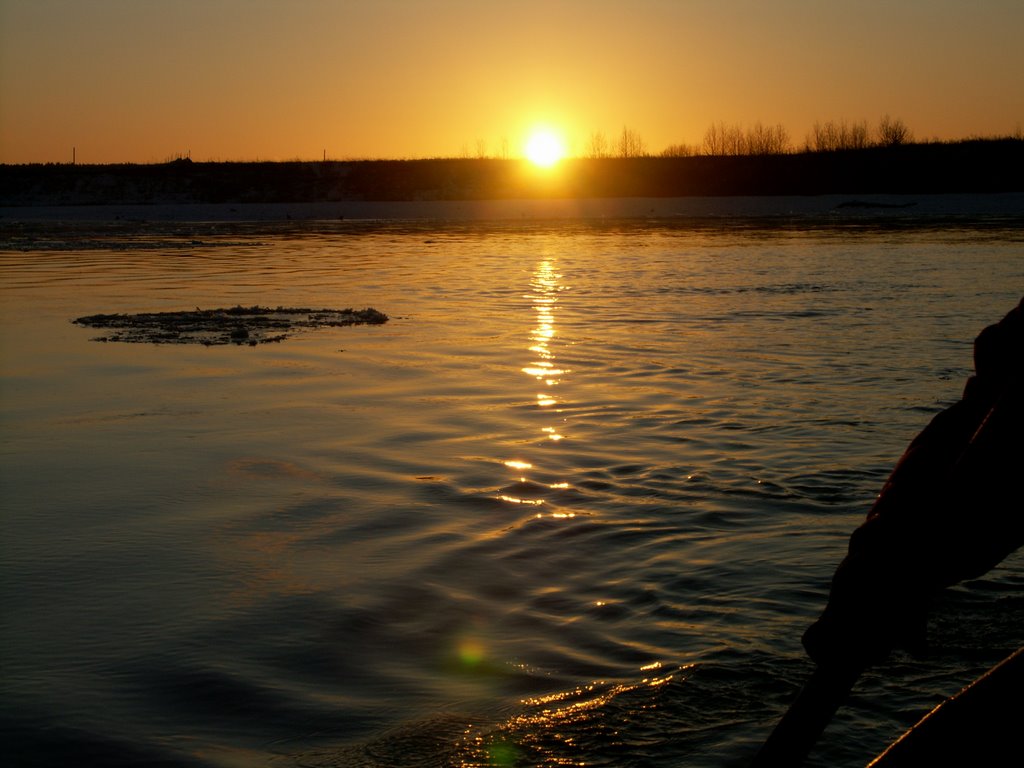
(982, 166)
(808, 209)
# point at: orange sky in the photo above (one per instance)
(149, 80)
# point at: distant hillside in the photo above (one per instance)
(995, 165)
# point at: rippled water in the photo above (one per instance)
(573, 505)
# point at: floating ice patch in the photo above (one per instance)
(236, 325)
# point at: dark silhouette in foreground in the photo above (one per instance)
(951, 510)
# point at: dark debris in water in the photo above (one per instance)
(235, 325)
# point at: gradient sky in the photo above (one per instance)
(149, 80)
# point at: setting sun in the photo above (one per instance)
(544, 148)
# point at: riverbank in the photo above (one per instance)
(19, 221)
(805, 209)
(983, 166)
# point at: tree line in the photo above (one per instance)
(829, 136)
(732, 139)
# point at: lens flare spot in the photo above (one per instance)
(503, 755)
(471, 652)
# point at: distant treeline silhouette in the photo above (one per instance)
(844, 164)
(830, 136)
(723, 139)
(731, 140)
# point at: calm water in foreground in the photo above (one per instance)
(573, 505)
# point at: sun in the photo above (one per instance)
(544, 148)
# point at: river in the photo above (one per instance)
(574, 504)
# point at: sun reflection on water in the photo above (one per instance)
(555, 728)
(545, 287)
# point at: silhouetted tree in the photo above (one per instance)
(631, 144)
(597, 145)
(893, 132)
(735, 141)
(832, 136)
(713, 143)
(759, 139)
(678, 150)
(767, 140)
(859, 137)
(821, 138)
(722, 139)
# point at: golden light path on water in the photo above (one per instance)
(531, 732)
(546, 729)
(545, 286)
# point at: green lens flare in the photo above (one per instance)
(503, 755)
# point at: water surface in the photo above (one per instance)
(574, 504)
